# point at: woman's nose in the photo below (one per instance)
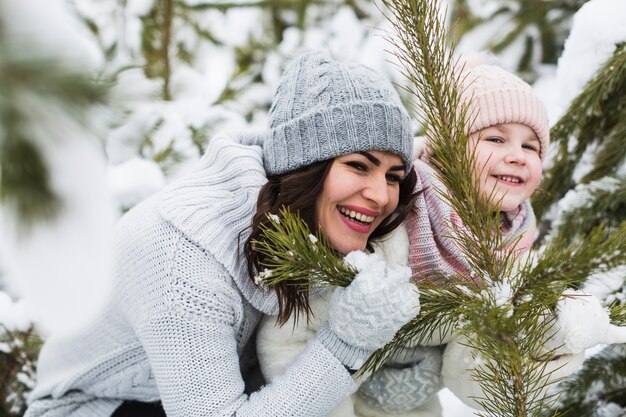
(377, 190)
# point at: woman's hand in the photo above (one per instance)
(366, 314)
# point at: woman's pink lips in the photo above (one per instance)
(357, 227)
(362, 210)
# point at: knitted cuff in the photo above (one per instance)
(432, 408)
(352, 357)
(397, 390)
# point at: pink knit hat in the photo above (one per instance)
(498, 96)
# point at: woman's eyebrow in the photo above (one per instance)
(376, 161)
(370, 157)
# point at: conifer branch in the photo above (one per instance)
(592, 389)
(420, 42)
(589, 205)
(24, 176)
(295, 256)
(594, 116)
(18, 354)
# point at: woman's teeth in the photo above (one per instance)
(353, 215)
(509, 179)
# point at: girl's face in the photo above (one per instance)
(359, 192)
(508, 163)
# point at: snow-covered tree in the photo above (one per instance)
(586, 184)
(526, 34)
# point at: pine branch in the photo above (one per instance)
(18, 353)
(589, 205)
(24, 176)
(420, 44)
(592, 388)
(296, 256)
(564, 265)
(593, 117)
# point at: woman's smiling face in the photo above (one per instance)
(359, 192)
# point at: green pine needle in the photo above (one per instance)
(295, 255)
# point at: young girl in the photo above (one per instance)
(509, 131)
(175, 338)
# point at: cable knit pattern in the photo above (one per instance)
(367, 313)
(434, 253)
(183, 313)
(409, 381)
(324, 108)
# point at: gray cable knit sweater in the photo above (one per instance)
(183, 311)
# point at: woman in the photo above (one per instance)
(179, 328)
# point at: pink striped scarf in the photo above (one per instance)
(433, 251)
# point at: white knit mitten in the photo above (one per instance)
(411, 378)
(459, 361)
(366, 314)
(581, 323)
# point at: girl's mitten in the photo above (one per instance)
(581, 323)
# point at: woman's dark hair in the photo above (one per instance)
(298, 190)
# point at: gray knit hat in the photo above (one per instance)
(323, 109)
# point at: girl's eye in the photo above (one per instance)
(359, 166)
(393, 178)
(530, 147)
(495, 139)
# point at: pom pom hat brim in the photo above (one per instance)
(323, 109)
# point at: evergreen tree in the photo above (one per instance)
(533, 30)
(573, 203)
(40, 95)
(200, 75)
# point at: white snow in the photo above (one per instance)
(580, 197)
(13, 314)
(62, 268)
(133, 181)
(64, 36)
(597, 28)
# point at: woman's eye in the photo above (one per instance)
(393, 178)
(359, 166)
